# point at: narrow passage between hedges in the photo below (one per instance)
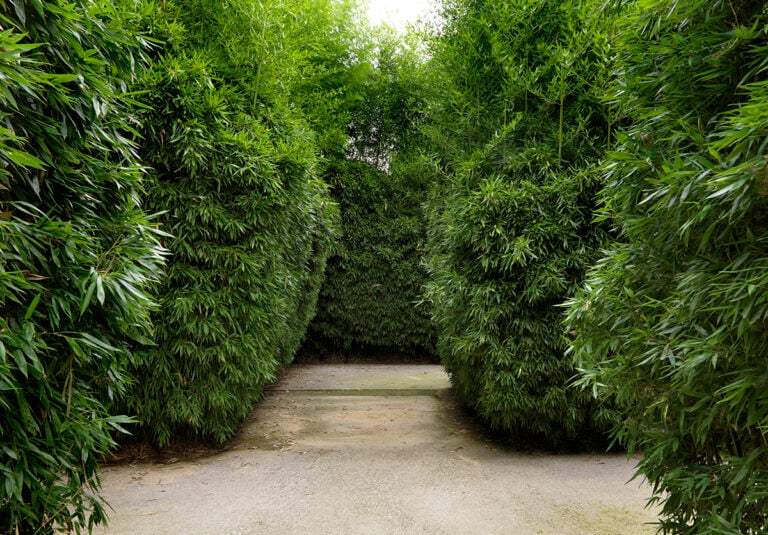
(373, 449)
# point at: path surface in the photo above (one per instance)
(373, 450)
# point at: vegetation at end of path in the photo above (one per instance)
(371, 300)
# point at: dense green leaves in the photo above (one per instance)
(517, 132)
(76, 256)
(235, 179)
(370, 299)
(672, 321)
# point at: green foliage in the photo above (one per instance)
(234, 177)
(671, 323)
(375, 279)
(330, 47)
(76, 256)
(517, 131)
(302, 53)
(384, 127)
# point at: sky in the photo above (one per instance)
(397, 13)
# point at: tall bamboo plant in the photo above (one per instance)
(77, 256)
(517, 135)
(671, 323)
(236, 179)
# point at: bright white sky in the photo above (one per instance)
(397, 13)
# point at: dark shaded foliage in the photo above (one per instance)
(375, 279)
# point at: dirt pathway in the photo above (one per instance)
(373, 450)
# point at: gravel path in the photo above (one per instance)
(373, 449)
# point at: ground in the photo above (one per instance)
(374, 449)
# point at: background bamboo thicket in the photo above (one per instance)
(371, 302)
